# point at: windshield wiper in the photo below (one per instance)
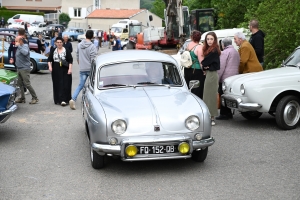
(114, 84)
(150, 83)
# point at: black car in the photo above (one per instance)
(48, 30)
(15, 31)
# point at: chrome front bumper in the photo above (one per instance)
(237, 103)
(8, 113)
(103, 149)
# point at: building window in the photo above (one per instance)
(77, 12)
(97, 4)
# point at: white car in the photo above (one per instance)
(274, 91)
(36, 28)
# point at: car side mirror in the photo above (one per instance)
(194, 84)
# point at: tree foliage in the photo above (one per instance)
(64, 19)
(158, 8)
(146, 4)
(279, 21)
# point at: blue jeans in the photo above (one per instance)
(83, 76)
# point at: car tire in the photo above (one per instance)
(33, 67)
(34, 34)
(251, 115)
(97, 160)
(124, 47)
(130, 45)
(200, 156)
(288, 112)
(71, 38)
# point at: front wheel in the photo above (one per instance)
(33, 67)
(250, 115)
(72, 38)
(97, 160)
(200, 156)
(288, 112)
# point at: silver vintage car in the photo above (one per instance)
(136, 105)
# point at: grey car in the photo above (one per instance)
(137, 106)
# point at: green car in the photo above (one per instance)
(10, 78)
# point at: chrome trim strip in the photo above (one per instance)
(87, 111)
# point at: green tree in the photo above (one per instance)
(158, 8)
(64, 19)
(279, 21)
(147, 4)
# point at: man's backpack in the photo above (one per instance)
(186, 59)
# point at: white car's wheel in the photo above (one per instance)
(34, 34)
(97, 160)
(288, 112)
(200, 156)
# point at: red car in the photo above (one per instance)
(9, 37)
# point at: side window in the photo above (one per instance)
(17, 17)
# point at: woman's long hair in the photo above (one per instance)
(214, 47)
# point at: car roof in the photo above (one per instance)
(134, 56)
(225, 32)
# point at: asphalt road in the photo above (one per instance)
(44, 154)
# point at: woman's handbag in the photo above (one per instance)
(63, 63)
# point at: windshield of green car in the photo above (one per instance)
(139, 73)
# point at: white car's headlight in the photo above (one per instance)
(224, 86)
(242, 88)
(192, 122)
(119, 126)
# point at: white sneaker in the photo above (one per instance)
(213, 122)
(72, 104)
(63, 103)
(27, 92)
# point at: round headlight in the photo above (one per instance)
(184, 148)
(192, 122)
(131, 150)
(242, 88)
(223, 86)
(119, 126)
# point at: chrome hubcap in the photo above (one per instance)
(291, 113)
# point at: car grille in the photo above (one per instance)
(231, 103)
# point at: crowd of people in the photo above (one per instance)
(211, 65)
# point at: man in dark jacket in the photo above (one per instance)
(257, 40)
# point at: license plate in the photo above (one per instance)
(158, 149)
(231, 104)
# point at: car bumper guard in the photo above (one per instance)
(237, 103)
(8, 113)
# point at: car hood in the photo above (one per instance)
(5, 92)
(144, 107)
(263, 75)
(6, 76)
(37, 55)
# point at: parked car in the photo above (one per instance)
(73, 33)
(9, 37)
(7, 105)
(38, 61)
(48, 31)
(15, 32)
(137, 106)
(82, 36)
(274, 91)
(37, 28)
(10, 78)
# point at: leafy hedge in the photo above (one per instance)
(10, 13)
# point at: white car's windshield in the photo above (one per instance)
(139, 73)
(116, 29)
(293, 59)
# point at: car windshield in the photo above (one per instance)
(6, 46)
(139, 73)
(293, 59)
(116, 29)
